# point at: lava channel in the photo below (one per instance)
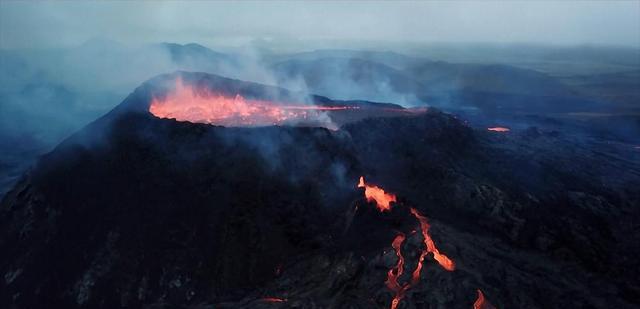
(395, 272)
(383, 200)
(482, 303)
(442, 259)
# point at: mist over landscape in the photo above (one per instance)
(49, 93)
(560, 80)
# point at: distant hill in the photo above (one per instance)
(620, 89)
(197, 58)
(554, 60)
(193, 54)
(487, 87)
(487, 77)
(347, 78)
(388, 58)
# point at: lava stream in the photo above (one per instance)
(383, 203)
(383, 200)
(374, 193)
(442, 259)
(396, 271)
(482, 303)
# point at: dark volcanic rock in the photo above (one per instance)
(136, 211)
(175, 207)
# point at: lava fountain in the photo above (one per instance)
(373, 193)
(202, 105)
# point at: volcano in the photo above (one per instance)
(199, 191)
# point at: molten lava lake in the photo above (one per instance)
(202, 105)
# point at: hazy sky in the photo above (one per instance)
(55, 24)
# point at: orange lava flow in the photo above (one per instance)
(481, 302)
(499, 129)
(415, 277)
(373, 193)
(383, 200)
(442, 259)
(396, 271)
(273, 300)
(187, 103)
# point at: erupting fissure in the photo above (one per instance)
(187, 103)
(382, 200)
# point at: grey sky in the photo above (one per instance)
(55, 24)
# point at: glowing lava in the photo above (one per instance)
(499, 129)
(442, 259)
(482, 303)
(373, 193)
(186, 103)
(273, 300)
(383, 200)
(396, 271)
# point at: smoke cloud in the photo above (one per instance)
(64, 64)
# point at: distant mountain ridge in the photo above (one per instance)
(488, 87)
